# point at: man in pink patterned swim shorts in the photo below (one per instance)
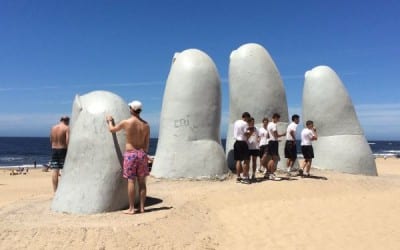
(135, 157)
(135, 164)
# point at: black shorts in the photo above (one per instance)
(290, 150)
(241, 151)
(308, 151)
(254, 152)
(273, 148)
(263, 150)
(58, 158)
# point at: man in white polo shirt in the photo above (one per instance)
(241, 149)
(308, 134)
(273, 145)
(290, 145)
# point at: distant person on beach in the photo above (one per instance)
(135, 157)
(308, 134)
(290, 145)
(241, 149)
(273, 145)
(59, 137)
(263, 144)
(254, 150)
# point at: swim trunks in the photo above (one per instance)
(290, 150)
(58, 157)
(135, 164)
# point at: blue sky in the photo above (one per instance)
(52, 50)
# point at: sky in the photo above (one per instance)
(50, 51)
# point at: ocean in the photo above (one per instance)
(25, 151)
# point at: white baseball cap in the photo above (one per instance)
(135, 105)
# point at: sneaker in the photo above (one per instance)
(273, 177)
(238, 179)
(245, 181)
(300, 172)
(253, 177)
(288, 174)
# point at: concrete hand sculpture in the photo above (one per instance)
(189, 144)
(255, 86)
(341, 143)
(91, 181)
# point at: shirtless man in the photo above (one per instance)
(59, 137)
(135, 156)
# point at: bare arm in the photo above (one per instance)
(67, 136)
(147, 139)
(315, 135)
(293, 134)
(111, 125)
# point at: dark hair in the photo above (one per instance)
(251, 119)
(294, 117)
(246, 115)
(64, 119)
(276, 115)
(265, 119)
(309, 122)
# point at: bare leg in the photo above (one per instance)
(308, 166)
(54, 178)
(131, 197)
(142, 192)
(254, 165)
(239, 168)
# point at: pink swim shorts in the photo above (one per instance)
(135, 164)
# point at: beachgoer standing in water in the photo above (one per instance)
(290, 146)
(135, 157)
(59, 137)
(308, 134)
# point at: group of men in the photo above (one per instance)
(135, 166)
(251, 143)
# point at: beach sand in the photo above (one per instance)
(343, 211)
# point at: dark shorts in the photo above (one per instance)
(308, 151)
(273, 148)
(135, 164)
(58, 157)
(241, 151)
(290, 150)
(254, 152)
(263, 150)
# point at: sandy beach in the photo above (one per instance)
(336, 211)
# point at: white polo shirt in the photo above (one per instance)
(306, 137)
(239, 130)
(271, 129)
(292, 127)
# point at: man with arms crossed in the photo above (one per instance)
(241, 149)
(308, 134)
(59, 137)
(135, 156)
(290, 146)
(273, 145)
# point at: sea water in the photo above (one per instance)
(26, 151)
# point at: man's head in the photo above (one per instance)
(246, 116)
(295, 118)
(276, 117)
(135, 107)
(65, 120)
(309, 124)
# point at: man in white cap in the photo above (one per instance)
(135, 157)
